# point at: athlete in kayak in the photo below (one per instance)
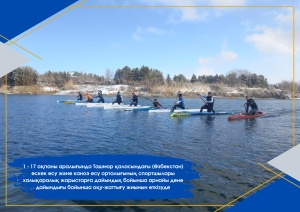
(89, 97)
(252, 104)
(156, 104)
(119, 98)
(134, 100)
(100, 96)
(209, 103)
(79, 97)
(179, 103)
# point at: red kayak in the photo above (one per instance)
(245, 116)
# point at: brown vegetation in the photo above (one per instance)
(29, 89)
(188, 90)
(148, 81)
(68, 85)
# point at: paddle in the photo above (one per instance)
(245, 109)
(176, 97)
(245, 106)
(246, 113)
(205, 103)
(153, 101)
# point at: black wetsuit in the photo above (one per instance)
(135, 100)
(101, 99)
(118, 100)
(209, 104)
(156, 104)
(79, 97)
(253, 105)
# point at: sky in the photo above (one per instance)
(201, 41)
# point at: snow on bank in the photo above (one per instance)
(106, 89)
(159, 91)
(50, 89)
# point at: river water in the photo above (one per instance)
(229, 152)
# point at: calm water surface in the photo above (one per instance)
(228, 151)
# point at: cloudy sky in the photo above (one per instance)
(176, 40)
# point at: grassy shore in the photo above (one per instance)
(188, 90)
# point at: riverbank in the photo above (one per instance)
(189, 90)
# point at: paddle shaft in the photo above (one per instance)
(149, 99)
(153, 101)
(176, 97)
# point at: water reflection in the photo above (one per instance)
(250, 124)
(210, 120)
(210, 141)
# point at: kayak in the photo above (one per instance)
(91, 104)
(63, 101)
(178, 110)
(82, 103)
(244, 116)
(97, 104)
(125, 107)
(189, 113)
(142, 108)
(116, 106)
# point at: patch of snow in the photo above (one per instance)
(50, 89)
(93, 89)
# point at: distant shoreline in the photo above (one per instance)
(148, 96)
(156, 92)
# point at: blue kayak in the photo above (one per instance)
(63, 101)
(144, 108)
(186, 113)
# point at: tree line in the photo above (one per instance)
(146, 76)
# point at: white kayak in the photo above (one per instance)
(177, 110)
(81, 103)
(97, 104)
(63, 101)
(90, 103)
(123, 107)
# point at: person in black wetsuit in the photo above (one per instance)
(100, 96)
(209, 103)
(79, 97)
(252, 104)
(134, 100)
(156, 104)
(119, 98)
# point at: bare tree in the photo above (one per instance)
(108, 76)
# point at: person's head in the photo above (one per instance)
(133, 93)
(209, 93)
(180, 95)
(99, 91)
(78, 92)
(118, 92)
(155, 100)
(247, 97)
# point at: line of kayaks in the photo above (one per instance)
(175, 113)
